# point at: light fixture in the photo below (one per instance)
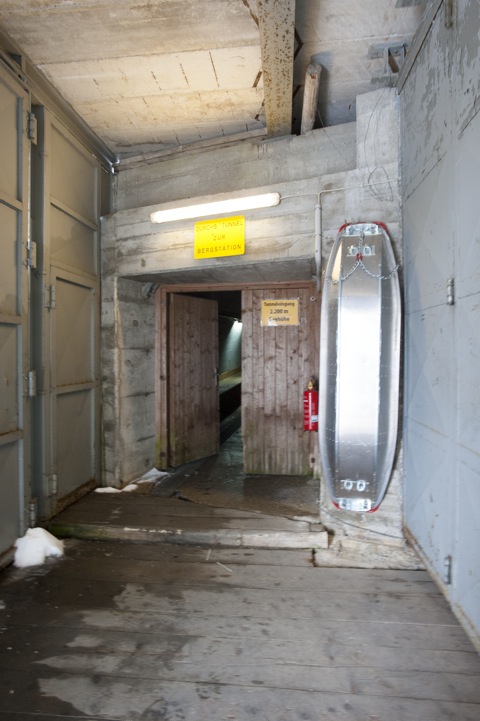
(216, 207)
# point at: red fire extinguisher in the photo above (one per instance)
(310, 407)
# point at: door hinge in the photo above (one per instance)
(31, 379)
(32, 127)
(449, 14)
(447, 570)
(51, 297)
(52, 485)
(451, 291)
(31, 254)
(32, 513)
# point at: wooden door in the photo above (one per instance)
(277, 364)
(193, 412)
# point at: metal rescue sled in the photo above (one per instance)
(359, 366)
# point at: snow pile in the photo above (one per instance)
(148, 477)
(111, 489)
(33, 548)
(152, 475)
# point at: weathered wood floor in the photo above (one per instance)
(156, 632)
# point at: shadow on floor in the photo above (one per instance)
(220, 481)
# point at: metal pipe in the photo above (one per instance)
(318, 242)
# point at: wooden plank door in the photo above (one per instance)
(276, 366)
(193, 407)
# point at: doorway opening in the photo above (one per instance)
(229, 369)
(211, 376)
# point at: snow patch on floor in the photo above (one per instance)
(35, 546)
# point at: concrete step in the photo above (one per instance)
(131, 517)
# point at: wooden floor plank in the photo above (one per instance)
(209, 571)
(442, 637)
(191, 701)
(181, 656)
(140, 633)
(260, 603)
(361, 558)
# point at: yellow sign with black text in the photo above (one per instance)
(280, 312)
(219, 238)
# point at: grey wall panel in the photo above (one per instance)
(9, 276)
(430, 493)
(466, 569)
(466, 61)
(9, 177)
(75, 439)
(14, 419)
(428, 236)
(441, 168)
(429, 102)
(74, 175)
(73, 357)
(73, 243)
(10, 465)
(9, 410)
(67, 420)
(430, 388)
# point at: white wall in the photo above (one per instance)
(440, 153)
(352, 170)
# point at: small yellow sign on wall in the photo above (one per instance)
(280, 312)
(219, 238)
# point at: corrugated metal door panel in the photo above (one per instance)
(74, 382)
(430, 375)
(428, 251)
(73, 242)
(466, 569)
(13, 308)
(74, 182)
(71, 318)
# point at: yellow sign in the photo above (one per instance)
(218, 238)
(280, 312)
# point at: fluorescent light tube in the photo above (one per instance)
(231, 205)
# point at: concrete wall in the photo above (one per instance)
(440, 153)
(352, 170)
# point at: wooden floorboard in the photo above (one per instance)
(138, 632)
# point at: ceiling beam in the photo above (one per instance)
(276, 20)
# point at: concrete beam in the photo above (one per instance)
(276, 20)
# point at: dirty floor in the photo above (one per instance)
(239, 607)
(220, 481)
(123, 631)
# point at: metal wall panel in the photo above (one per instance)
(73, 359)
(466, 568)
(66, 318)
(13, 304)
(442, 243)
(72, 242)
(430, 362)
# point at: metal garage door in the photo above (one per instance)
(13, 304)
(66, 319)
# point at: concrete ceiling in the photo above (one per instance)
(158, 76)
